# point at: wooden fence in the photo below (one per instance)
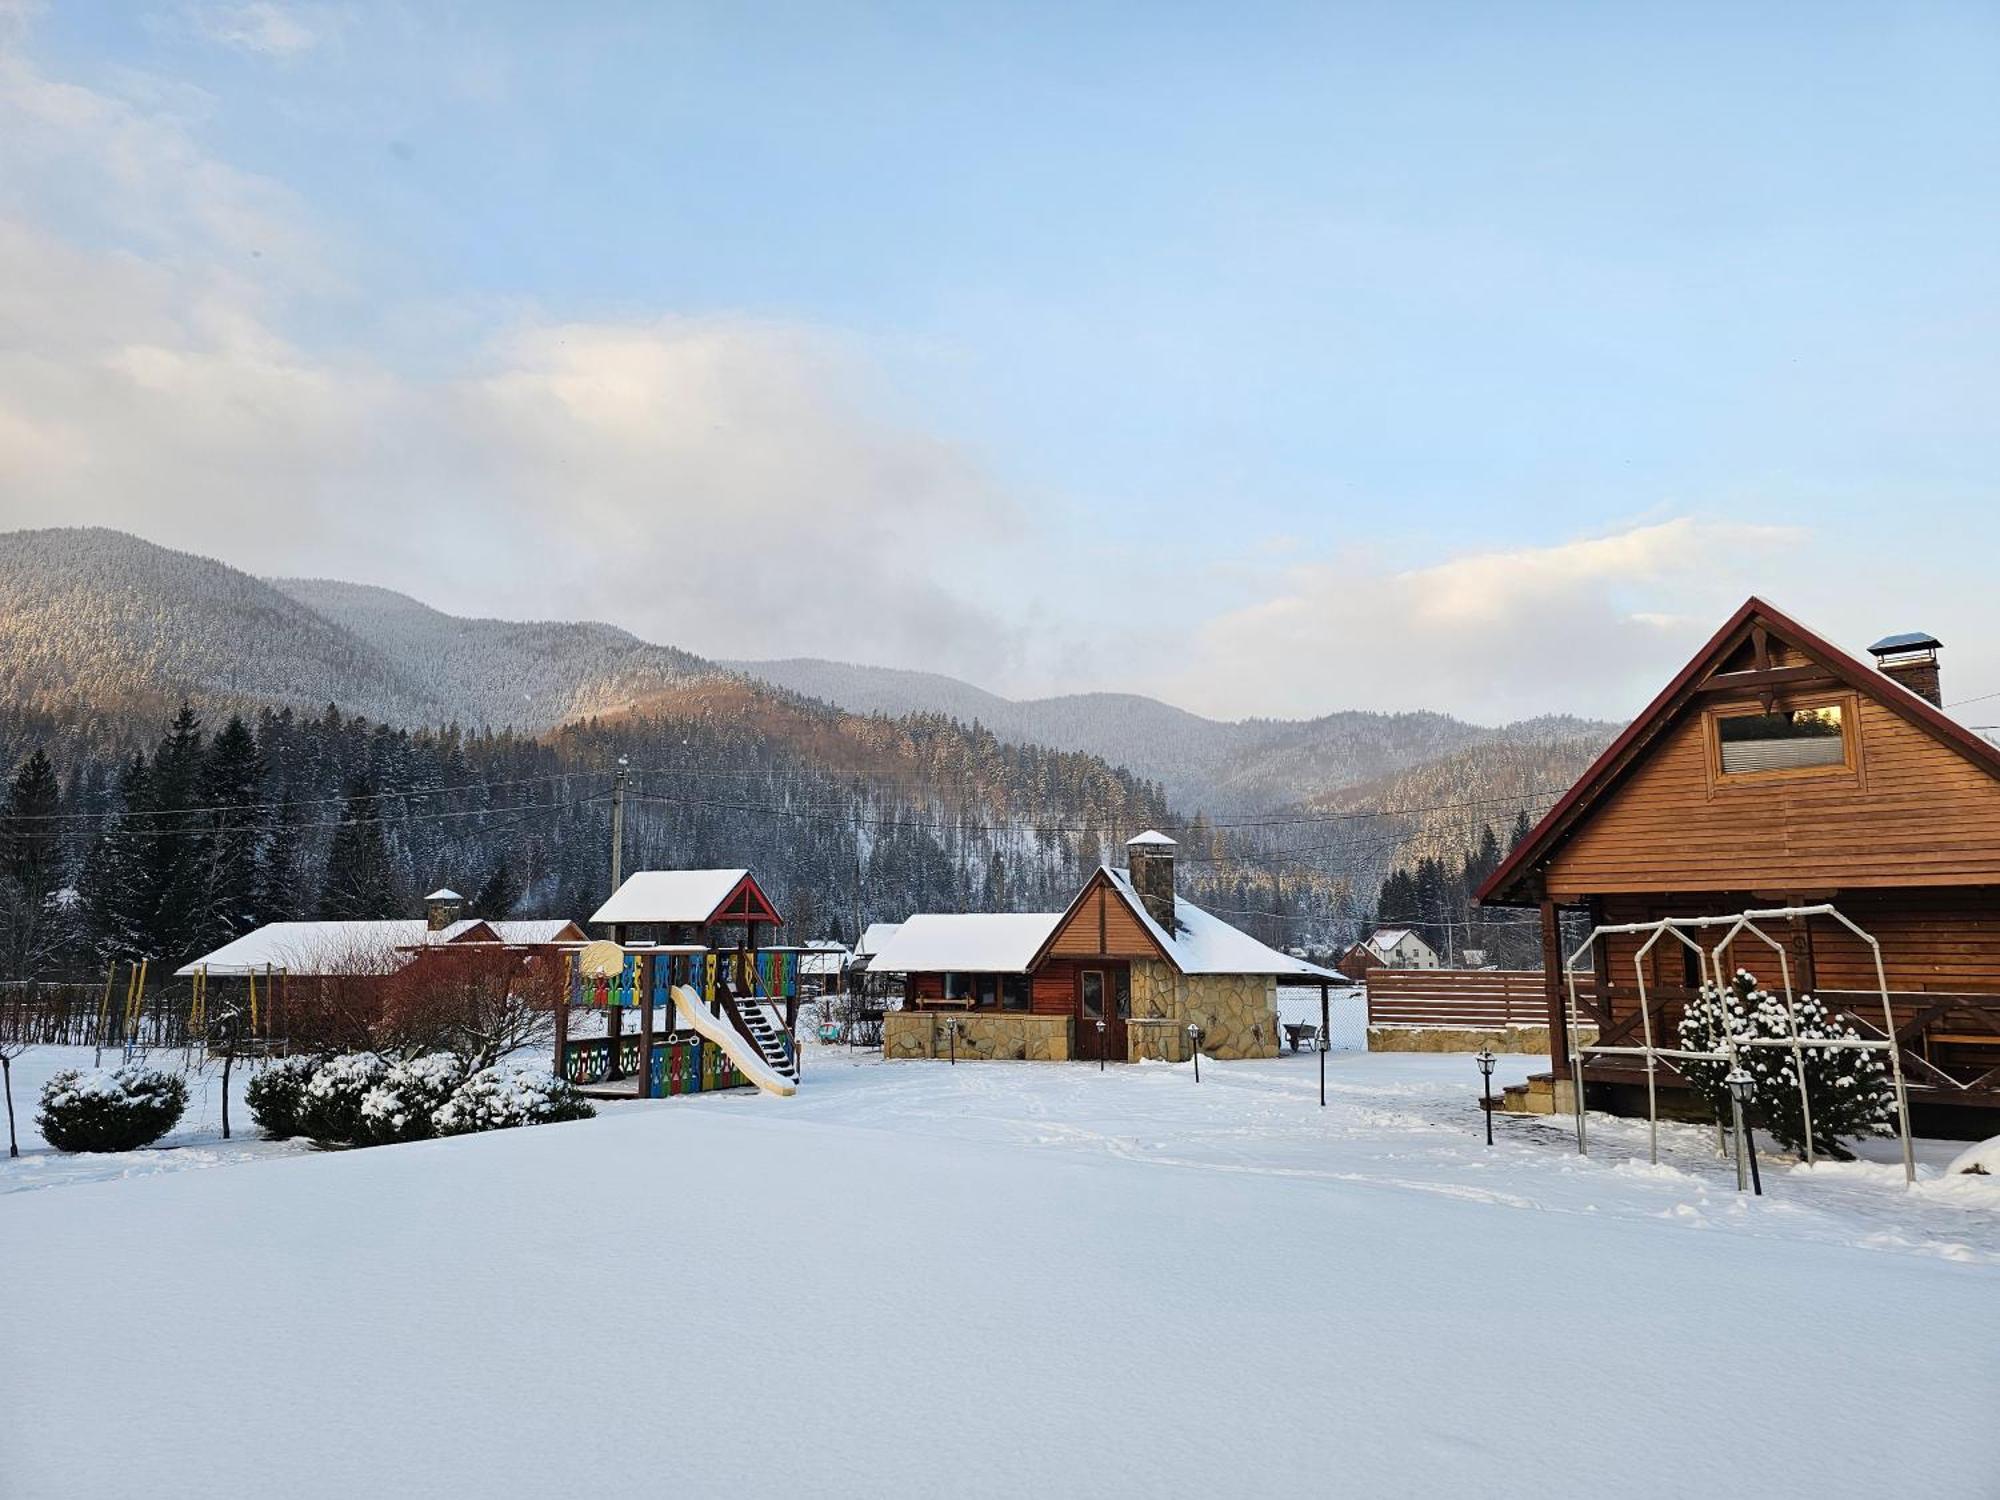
(80, 1015)
(1474, 999)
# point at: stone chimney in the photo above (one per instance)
(1150, 857)
(441, 908)
(1912, 659)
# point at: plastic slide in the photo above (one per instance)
(749, 1061)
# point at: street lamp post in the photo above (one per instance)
(1486, 1061)
(951, 1037)
(1741, 1086)
(1194, 1044)
(1100, 1046)
(1324, 1043)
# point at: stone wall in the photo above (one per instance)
(982, 1035)
(1237, 1013)
(1528, 1040)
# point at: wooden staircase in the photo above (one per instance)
(762, 1025)
(1542, 1094)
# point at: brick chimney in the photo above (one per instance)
(1911, 659)
(441, 908)
(1150, 858)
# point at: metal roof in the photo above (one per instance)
(1910, 640)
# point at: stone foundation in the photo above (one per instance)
(982, 1035)
(1532, 1040)
(1237, 1014)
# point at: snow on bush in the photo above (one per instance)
(277, 1093)
(508, 1094)
(330, 1110)
(1982, 1160)
(401, 1107)
(1848, 1089)
(116, 1109)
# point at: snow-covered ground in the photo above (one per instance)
(998, 1278)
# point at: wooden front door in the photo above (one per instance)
(1102, 994)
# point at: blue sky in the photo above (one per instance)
(1272, 359)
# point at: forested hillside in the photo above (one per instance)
(282, 816)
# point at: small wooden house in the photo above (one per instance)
(1120, 975)
(1776, 770)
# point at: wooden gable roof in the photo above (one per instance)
(1100, 923)
(1760, 653)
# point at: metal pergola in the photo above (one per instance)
(1713, 968)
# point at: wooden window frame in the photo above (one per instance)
(1848, 768)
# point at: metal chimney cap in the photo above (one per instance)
(1911, 640)
(1152, 838)
(445, 893)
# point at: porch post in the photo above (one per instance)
(1553, 991)
(643, 978)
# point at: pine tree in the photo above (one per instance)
(1847, 1089)
(231, 783)
(114, 891)
(174, 854)
(500, 894)
(360, 881)
(279, 897)
(31, 860)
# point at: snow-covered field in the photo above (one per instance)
(998, 1278)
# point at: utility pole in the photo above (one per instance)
(618, 824)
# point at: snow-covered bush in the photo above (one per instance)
(110, 1109)
(508, 1094)
(1848, 1088)
(330, 1110)
(277, 1093)
(401, 1106)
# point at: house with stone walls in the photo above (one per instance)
(1118, 976)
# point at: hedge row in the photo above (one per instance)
(360, 1099)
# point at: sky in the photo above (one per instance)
(1269, 359)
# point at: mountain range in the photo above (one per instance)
(102, 635)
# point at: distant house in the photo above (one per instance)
(823, 967)
(1120, 974)
(1401, 948)
(1776, 771)
(1357, 961)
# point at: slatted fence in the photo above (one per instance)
(1472, 999)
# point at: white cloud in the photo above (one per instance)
(267, 28)
(723, 483)
(1578, 626)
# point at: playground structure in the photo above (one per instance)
(734, 1020)
(1713, 965)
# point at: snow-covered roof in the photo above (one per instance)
(1386, 938)
(965, 943)
(823, 959)
(1152, 838)
(531, 930)
(354, 948)
(323, 948)
(872, 940)
(1205, 944)
(444, 893)
(669, 896)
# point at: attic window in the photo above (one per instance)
(1791, 739)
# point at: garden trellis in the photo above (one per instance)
(1713, 967)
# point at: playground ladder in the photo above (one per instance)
(768, 1036)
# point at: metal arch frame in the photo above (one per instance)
(1714, 969)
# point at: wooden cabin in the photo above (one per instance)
(1776, 770)
(1119, 975)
